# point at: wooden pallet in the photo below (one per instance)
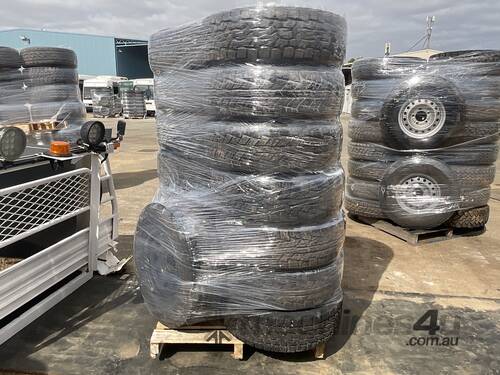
(418, 236)
(205, 333)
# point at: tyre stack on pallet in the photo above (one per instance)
(134, 105)
(424, 139)
(247, 223)
(105, 103)
(40, 84)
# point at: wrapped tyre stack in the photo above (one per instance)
(40, 84)
(247, 224)
(423, 139)
(105, 103)
(133, 103)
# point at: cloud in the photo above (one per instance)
(460, 24)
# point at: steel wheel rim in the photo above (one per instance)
(418, 193)
(421, 117)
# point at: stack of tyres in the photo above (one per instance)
(424, 139)
(105, 103)
(134, 105)
(247, 223)
(40, 84)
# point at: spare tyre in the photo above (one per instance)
(274, 34)
(254, 147)
(423, 112)
(288, 331)
(418, 193)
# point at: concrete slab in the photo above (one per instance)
(104, 327)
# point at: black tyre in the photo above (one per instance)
(256, 147)
(365, 131)
(367, 109)
(456, 155)
(423, 114)
(473, 197)
(10, 58)
(254, 91)
(386, 68)
(475, 63)
(276, 35)
(48, 56)
(363, 207)
(471, 218)
(418, 193)
(470, 176)
(288, 331)
(480, 132)
(14, 97)
(466, 197)
(281, 200)
(46, 76)
(375, 89)
(69, 110)
(164, 265)
(251, 289)
(10, 115)
(481, 109)
(267, 248)
(53, 93)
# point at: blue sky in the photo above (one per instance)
(459, 24)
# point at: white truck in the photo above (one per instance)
(100, 82)
(142, 84)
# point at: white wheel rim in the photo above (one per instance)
(421, 118)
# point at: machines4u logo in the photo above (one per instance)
(432, 324)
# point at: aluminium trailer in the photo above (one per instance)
(54, 228)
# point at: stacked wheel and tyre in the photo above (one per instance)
(247, 223)
(134, 105)
(40, 84)
(423, 139)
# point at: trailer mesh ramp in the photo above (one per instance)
(31, 207)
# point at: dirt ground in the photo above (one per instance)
(104, 327)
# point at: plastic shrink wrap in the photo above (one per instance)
(247, 223)
(423, 138)
(39, 85)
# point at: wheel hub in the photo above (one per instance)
(418, 193)
(421, 118)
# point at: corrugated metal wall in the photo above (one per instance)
(96, 54)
